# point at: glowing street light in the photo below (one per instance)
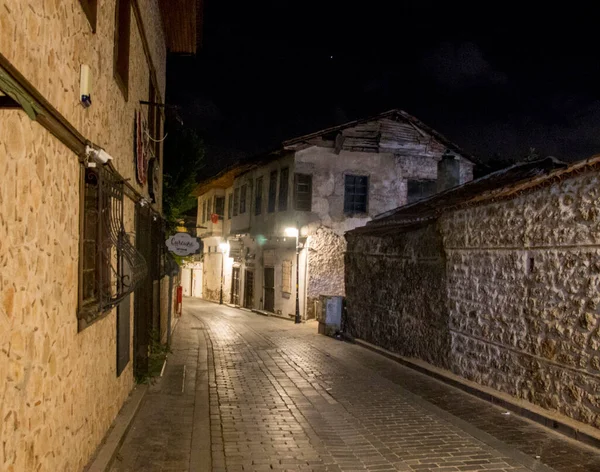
(294, 233)
(223, 248)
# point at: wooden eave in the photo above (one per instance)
(301, 142)
(182, 20)
(222, 180)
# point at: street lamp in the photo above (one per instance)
(223, 248)
(293, 232)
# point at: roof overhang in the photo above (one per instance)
(182, 21)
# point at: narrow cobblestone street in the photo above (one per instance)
(242, 392)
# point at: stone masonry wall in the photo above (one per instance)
(395, 293)
(57, 38)
(60, 391)
(523, 293)
(325, 266)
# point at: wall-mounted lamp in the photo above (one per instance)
(99, 155)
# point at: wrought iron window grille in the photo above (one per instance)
(117, 266)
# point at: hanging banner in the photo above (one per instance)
(184, 244)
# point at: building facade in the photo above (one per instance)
(317, 186)
(496, 281)
(82, 278)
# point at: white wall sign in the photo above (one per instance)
(183, 244)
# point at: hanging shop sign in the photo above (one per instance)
(142, 148)
(184, 244)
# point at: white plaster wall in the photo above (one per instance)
(186, 281)
(211, 271)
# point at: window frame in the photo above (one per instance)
(297, 177)
(90, 310)
(350, 211)
(121, 46)
(258, 195)
(229, 205)
(236, 200)
(220, 213)
(272, 196)
(284, 186)
(243, 198)
(90, 8)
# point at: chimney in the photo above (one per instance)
(448, 172)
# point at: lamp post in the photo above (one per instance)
(223, 247)
(294, 232)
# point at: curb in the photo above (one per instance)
(556, 422)
(271, 315)
(108, 449)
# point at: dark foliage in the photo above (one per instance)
(184, 157)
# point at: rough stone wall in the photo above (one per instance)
(395, 293)
(60, 391)
(523, 290)
(325, 266)
(57, 38)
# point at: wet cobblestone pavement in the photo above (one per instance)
(284, 398)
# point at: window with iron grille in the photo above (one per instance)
(109, 266)
(121, 49)
(236, 201)
(272, 191)
(90, 8)
(220, 207)
(229, 205)
(258, 196)
(303, 192)
(286, 276)
(356, 194)
(283, 189)
(243, 194)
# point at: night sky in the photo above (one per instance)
(496, 80)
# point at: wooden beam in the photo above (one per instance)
(56, 124)
(49, 117)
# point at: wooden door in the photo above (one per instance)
(235, 286)
(269, 285)
(249, 289)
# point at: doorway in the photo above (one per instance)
(269, 284)
(249, 289)
(235, 286)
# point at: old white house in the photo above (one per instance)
(318, 185)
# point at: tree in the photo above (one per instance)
(184, 155)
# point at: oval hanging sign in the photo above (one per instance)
(183, 244)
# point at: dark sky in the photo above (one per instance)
(496, 79)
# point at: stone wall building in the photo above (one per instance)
(497, 281)
(321, 185)
(78, 235)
